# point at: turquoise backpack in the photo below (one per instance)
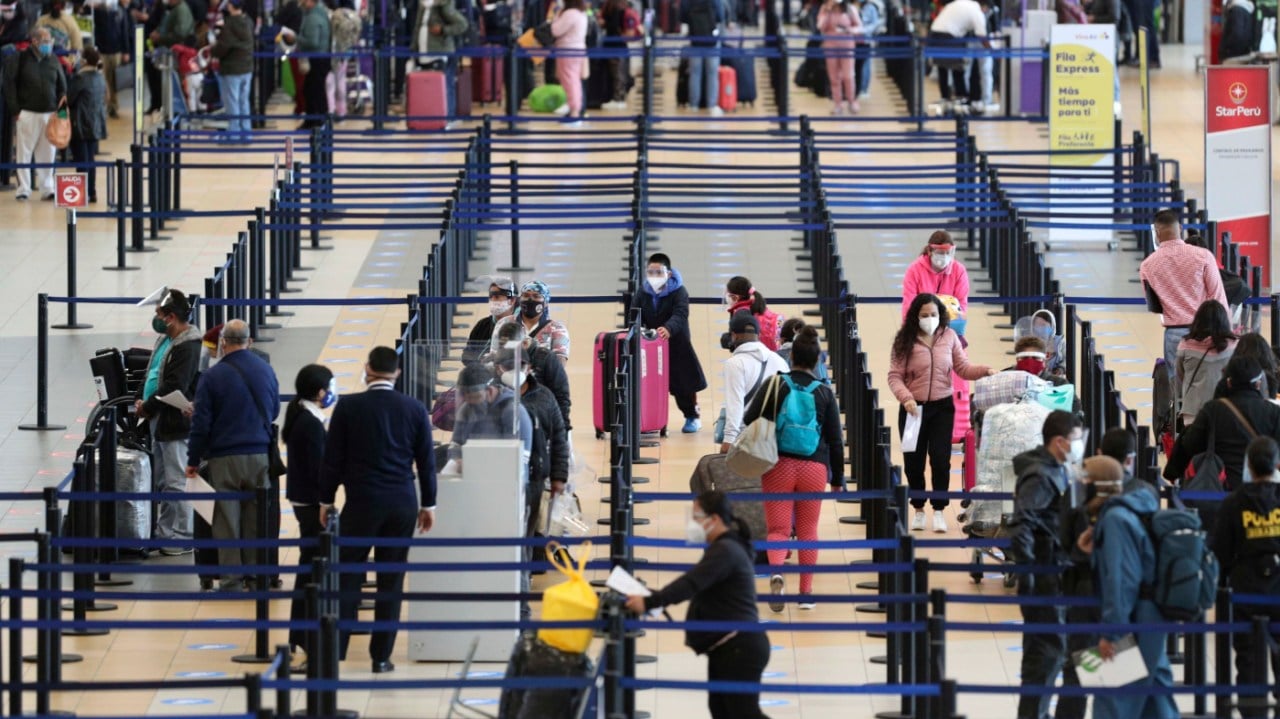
(797, 421)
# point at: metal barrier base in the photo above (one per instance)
(67, 658)
(95, 607)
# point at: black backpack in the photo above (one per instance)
(702, 18)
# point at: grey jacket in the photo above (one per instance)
(87, 99)
(234, 48)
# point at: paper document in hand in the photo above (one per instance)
(623, 583)
(1126, 667)
(911, 430)
(203, 507)
(176, 399)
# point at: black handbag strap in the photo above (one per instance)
(1196, 372)
(1248, 428)
(266, 422)
(764, 365)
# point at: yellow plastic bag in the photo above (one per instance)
(570, 601)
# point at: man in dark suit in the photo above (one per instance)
(375, 438)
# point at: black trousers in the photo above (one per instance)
(953, 75)
(1248, 672)
(1042, 654)
(741, 659)
(1073, 707)
(938, 419)
(82, 153)
(308, 528)
(152, 74)
(688, 405)
(315, 99)
(7, 145)
(386, 519)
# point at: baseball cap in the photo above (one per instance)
(742, 323)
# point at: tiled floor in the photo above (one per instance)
(573, 263)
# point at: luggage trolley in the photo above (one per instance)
(583, 706)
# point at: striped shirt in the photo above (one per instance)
(1183, 277)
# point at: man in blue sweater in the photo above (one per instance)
(236, 401)
(375, 439)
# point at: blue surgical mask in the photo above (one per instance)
(331, 395)
(46, 48)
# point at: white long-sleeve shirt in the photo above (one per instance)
(740, 373)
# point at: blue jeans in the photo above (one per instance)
(235, 100)
(1172, 336)
(704, 67)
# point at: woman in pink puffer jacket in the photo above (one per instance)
(925, 351)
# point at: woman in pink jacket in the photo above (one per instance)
(937, 272)
(570, 29)
(925, 351)
(839, 22)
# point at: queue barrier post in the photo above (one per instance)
(83, 516)
(42, 368)
(262, 585)
(1223, 614)
(513, 168)
(284, 697)
(136, 194)
(318, 569)
(120, 208)
(16, 568)
(71, 323)
(614, 672)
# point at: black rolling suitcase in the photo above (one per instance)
(744, 66)
(535, 658)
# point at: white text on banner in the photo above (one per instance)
(1237, 158)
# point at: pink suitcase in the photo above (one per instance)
(960, 393)
(654, 382)
(425, 96)
(970, 472)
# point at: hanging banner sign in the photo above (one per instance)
(1237, 158)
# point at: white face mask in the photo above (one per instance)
(729, 300)
(941, 260)
(694, 532)
(929, 325)
(498, 308)
(1075, 455)
(656, 283)
(513, 380)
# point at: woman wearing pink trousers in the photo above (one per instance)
(839, 22)
(570, 29)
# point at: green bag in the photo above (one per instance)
(547, 98)
(286, 78)
(1062, 397)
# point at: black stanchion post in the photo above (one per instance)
(16, 568)
(107, 484)
(82, 527)
(42, 367)
(262, 585)
(71, 323)
(514, 94)
(514, 170)
(329, 664)
(120, 210)
(784, 86)
(135, 194)
(614, 672)
(1222, 655)
(647, 60)
(284, 697)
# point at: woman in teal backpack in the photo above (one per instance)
(810, 453)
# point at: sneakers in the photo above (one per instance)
(21, 197)
(691, 425)
(939, 521)
(917, 523)
(807, 606)
(47, 197)
(175, 551)
(716, 111)
(776, 584)
(562, 110)
(614, 105)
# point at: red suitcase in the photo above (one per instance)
(728, 88)
(970, 471)
(426, 98)
(486, 78)
(654, 382)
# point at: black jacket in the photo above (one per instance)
(178, 371)
(479, 339)
(1246, 539)
(830, 449)
(376, 437)
(87, 98)
(670, 309)
(15, 31)
(112, 30)
(549, 458)
(32, 82)
(549, 370)
(304, 440)
(1041, 500)
(1239, 28)
(234, 47)
(721, 587)
(1230, 439)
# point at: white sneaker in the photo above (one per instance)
(939, 521)
(807, 606)
(716, 111)
(917, 523)
(776, 585)
(614, 105)
(562, 110)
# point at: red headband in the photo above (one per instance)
(945, 248)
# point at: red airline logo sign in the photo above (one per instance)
(71, 190)
(1237, 98)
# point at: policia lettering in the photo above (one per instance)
(1261, 526)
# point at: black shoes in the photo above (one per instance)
(383, 667)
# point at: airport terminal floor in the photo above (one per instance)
(572, 262)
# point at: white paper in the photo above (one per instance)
(1126, 667)
(176, 399)
(450, 468)
(623, 583)
(203, 507)
(911, 430)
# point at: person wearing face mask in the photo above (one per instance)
(535, 318)
(87, 100)
(1030, 356)
(34, 86)
(936, 271)
(1232, 421)
(924, 355)
(1103, 478)
(663, 302)
(746, 373)
(502, 303)
(304, 437)
(1044, 324)
(1041, 499)
(741, 296)
(175, 359)
(1246, 541)
(1202, 354)
(721, 587)
(13, 23)
(113, 36)
(488, 411)
(544, 365)
(376, 439)
(62, 27)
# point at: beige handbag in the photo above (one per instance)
(756, 449)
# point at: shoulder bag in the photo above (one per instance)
(275, 465)
(756, 449)
(718, 435)
(58, 129)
